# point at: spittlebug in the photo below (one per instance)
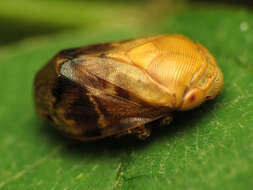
(112, 89)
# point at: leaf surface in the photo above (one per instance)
(207, 148)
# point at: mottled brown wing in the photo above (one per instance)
(90, 107)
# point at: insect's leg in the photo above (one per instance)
(166, 120)
(141, 132)
(144, 131)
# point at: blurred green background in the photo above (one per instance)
(207, 148)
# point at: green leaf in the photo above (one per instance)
(207, 148)
(27, 18)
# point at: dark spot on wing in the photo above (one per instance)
(96, 48)
(102, 55)
(74, 97)
(93, 132)
(59, 89)
(121, 92)
(70, 53)
(91, 49)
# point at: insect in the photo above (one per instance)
(125, 87)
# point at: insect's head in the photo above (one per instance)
(205, 85)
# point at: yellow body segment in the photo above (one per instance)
(185, 70)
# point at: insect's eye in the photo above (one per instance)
(192, 98)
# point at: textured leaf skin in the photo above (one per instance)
(207, 148)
